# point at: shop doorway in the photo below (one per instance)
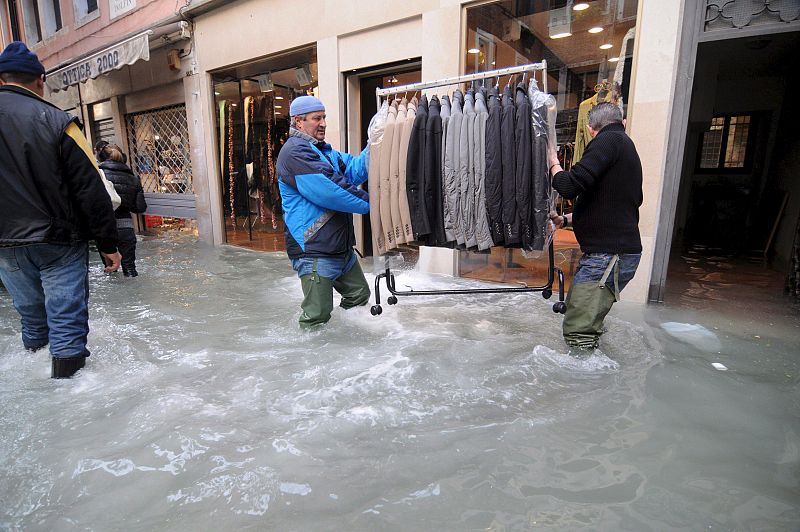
(362, 106)
(252, 124)
(736, 215)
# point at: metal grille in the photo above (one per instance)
(712, 144)
(159, 144)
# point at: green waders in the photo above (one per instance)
(318, 294)
(588, 303)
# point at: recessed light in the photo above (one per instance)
(613, 59)
(216, 93)
(473, 51)
(596, 29)
(278, 107)
(561, 35)
(580, 6)
(279, 97)
(605, 46)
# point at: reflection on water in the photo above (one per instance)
(205, 407)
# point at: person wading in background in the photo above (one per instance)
(53, 202)
(319, 191)
(607, 183)
(129, 187)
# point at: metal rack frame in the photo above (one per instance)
(552, 271)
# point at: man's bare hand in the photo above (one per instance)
(112, 261)
(557, 220)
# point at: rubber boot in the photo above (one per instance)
(64, 368)
(353, 287)
(587, 307)
(317, 301)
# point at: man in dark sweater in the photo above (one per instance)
(607, 183)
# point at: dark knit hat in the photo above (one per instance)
(17, 58)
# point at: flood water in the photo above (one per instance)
(205, 407)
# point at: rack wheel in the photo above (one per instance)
(560, 307)
(376, 310)
(392, 300)
(547, 293)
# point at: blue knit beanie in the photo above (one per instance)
(305, 104)
(17, 58)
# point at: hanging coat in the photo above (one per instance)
(444, 112)
(451, 184)
(405, 136)
(415, 173)
(482, 232)
(385, 186)
(376, 145)
(541, 104)
(523, 175)
(433, 174)
(508, 147)
(394, 174)
(493, 180)
(466, 171)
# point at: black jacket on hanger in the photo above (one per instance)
(432, 182)
(493, 182)
(415, 173)
(522, 172)
(541, 182)
(508, 149)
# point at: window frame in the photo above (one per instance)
(83, 19)
(749, 148)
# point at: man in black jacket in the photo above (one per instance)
(607, 183)
(53, 202)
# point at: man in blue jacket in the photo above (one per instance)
(53, 202)
(319, 191)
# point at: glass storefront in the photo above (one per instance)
(588, 46)
(252, 123)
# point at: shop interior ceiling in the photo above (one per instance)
(581, 49)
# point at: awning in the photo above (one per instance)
(114, 57)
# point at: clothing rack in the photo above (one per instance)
(498, 73)
(552, 271)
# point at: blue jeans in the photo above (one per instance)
(592, 266)
(49, 284)
(328, 267)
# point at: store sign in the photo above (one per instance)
(120, 7)
(103, 62)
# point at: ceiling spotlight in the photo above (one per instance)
(605, 46)
(580, 6)
(279, 97)
(613, 59)
(278, 107)
(596, 29)
(561, 35)
(473, 51)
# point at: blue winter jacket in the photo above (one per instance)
(319, 191)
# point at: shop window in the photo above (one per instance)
(13, 19)
(252, 123)
(588, 46)
(33, 23)
(158, 141)
(726, 142)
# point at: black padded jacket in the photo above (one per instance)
(127, 185)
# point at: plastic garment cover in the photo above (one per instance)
(543, 117)
(375, 141)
